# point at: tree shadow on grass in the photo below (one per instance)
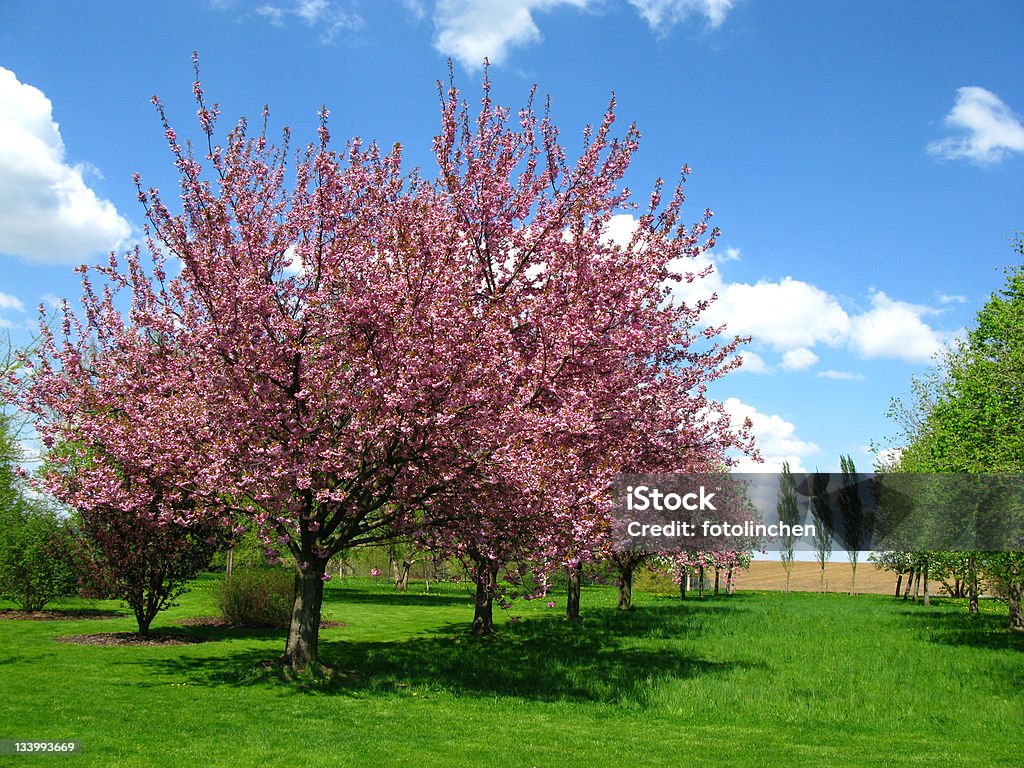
(617, 658)
(955, 627)
(354, 596)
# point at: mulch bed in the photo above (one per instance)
(59, 615)
(131, 638)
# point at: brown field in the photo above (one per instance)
(806, 577)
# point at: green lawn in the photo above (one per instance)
(754, 679)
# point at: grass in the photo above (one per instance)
(756, 679)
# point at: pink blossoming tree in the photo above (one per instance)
(338, 348)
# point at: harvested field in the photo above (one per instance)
(806, 577)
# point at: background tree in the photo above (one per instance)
(823, 515)
(36, 557)
(856, 525)
(788, 511)
(965, 418)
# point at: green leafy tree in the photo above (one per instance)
(36, 560)
(851, 507)
(789, 513)
(966, 418)
(822, 512)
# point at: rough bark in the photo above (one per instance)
(302, 649)
(483, 605)
(572, 604)
(927, 594)
(972, 578)
(625, 587)
(909, 584)
(402, 581)
(899, 582)
(483, 610)
(1016, 615)
(716, 582)
(683, 578)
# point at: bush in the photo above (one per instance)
(257, 597)
(36, 556)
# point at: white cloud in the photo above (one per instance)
(799, 359)
(988, 130)
(776, 439)
(662, 15)
(887, 457)
(841, 375)
(752, 363)
(946, 298)
(472, 30)
(52, 300)
(786, 315)
(792, 316)
(47, 211)
(7, 301)
(329, 17)
(727, 254)
(416, 8)
(895, 329)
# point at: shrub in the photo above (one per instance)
(36, 556)
(257, 597)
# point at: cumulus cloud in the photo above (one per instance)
(752, 363)
(895, 329)
(792, 316)
(47, 211)
(7, 301)
(662, 15)
(330, 18)
(472, 30)
(986, 129)
(799, 359)
(786, 314)
(776, 439)
(841, 375)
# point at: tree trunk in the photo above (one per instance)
(483, 609)
(1016, 616)
(625, 587)
(853, 582)
(302, 649)
(402, 582)
(927, 595)
(684, 577)
(910, 582)
(572, 604)
(730, 582)
(700, 582)
(899, 582)
(229, 563)
(917, 584)
(972, 577)
(716, 582)
(144, 619)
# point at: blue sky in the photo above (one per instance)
(864, 159)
